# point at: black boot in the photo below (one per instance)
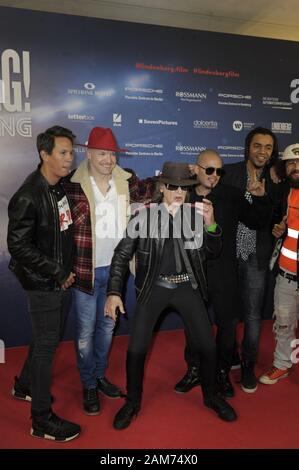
(190, 380)
(224, 384)
(125, 415)
(248, 378)
(221, 407)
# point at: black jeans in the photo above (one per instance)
(225, 342)
(48, 312)
(189, 304)
(252, 285)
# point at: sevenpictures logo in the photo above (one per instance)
(157, 122)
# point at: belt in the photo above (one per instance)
(289, 276)
(171, 282)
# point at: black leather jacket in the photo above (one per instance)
(33, 237)
(148, 254)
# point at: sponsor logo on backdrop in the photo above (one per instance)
(144, 149)
(191, 96)
(117, 119)
(143, 94)
(90, 89)
(242, 126)
(275, 102)
(200, 124)
(231, 151)
(294, 96)
(157, 122)
(184, 149)
(233, 99)
(15, 93)
(80, 117)
(281, 127)
(181, 69)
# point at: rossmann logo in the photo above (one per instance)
(189, 148)
(191, 96)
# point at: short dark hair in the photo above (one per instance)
(46, 140)
(264, 131)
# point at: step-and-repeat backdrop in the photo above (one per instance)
(167, 93)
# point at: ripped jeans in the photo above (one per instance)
(93, 331)
(286, 313)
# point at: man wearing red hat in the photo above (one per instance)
(100, 192)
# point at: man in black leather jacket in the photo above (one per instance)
(40, 243)
(170, 272)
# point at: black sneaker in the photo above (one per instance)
(125, 415)
(21, 392)
(221, 407)
(190, 380)
(108, 389)
(54, 428)
(91, 404)
(248, 378)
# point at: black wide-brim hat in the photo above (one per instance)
(176, 173)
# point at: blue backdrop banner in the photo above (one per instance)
(167, 93)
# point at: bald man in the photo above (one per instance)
(230, 207)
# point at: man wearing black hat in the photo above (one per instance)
(100, 192)
(170, 248)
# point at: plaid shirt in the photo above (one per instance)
(80, 195)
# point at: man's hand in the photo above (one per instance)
(279, 229)
(112, 306)
(257, 188)
(205, 208)
(69, 281)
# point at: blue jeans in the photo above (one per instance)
(93, 331)
(252, 285)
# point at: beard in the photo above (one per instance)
(294, 182)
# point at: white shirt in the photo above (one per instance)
(108, 227)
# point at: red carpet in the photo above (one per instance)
(268, 418)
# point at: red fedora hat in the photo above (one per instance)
(103, 139)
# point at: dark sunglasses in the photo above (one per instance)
(210, 170)
(174, 187)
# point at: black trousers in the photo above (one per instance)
(189, 304)
(225, 342)
(48, 312)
